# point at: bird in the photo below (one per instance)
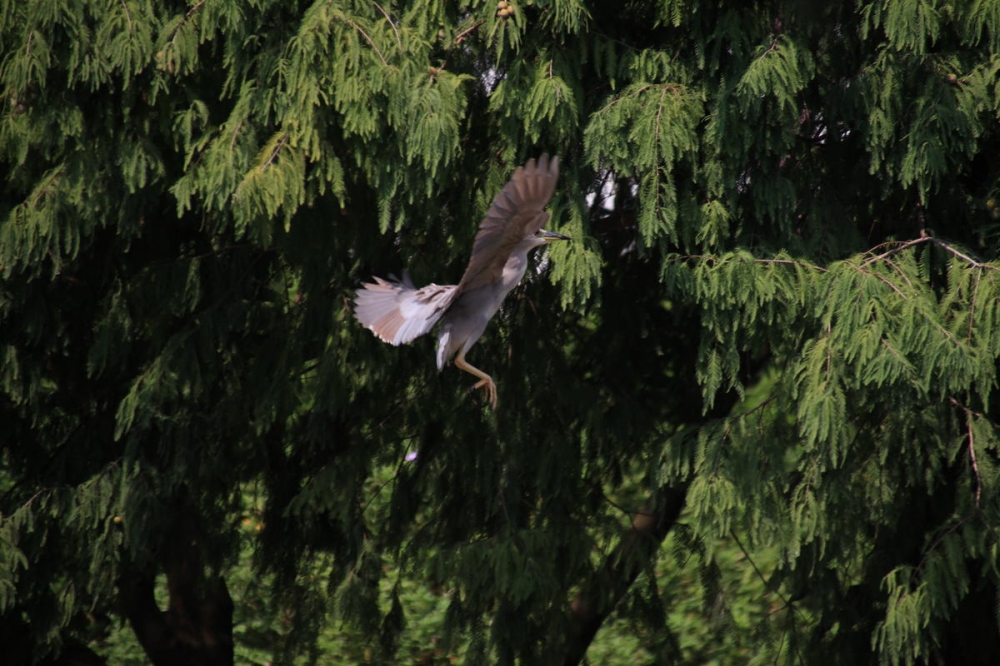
(398, 312)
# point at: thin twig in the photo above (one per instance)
(900, 272)
(624, 509)
(274, 153)
(925, 238)
(972, 459)
(39, 193)
(461, 35)
(370, 41)
(937, 542)
(773, 47)
(792, 262)
(896, 250)
(787, 262)
(194, 9)
(972, 306)
(236, 133)
(963, 257)
(788, 604)
(969, 413)
(891, 285)
(128, 15)
(399, 42)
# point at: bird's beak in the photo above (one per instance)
(549, 236)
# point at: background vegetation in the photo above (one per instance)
(751, 410)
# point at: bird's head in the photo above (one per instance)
(549, 236)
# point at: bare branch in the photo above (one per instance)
(925, 238)
(964, 257)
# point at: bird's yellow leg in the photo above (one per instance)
(485, 381)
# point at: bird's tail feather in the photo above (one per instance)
(397, 312)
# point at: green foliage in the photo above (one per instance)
(780, 306)
(647, 129)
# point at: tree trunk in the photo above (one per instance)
(197, 627)
(602, 593)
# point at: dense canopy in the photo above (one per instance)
(763, 376)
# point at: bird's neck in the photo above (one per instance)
(514, 269)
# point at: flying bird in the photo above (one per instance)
(398, 312)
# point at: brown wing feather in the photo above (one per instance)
(516, 212)
(398, 312)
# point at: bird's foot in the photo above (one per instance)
(491, 391)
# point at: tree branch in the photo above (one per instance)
(197, 627)
(601, 594)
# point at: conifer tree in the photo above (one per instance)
(778, 325)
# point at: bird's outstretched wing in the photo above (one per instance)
(398, 312)
(516, 212)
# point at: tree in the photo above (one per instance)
(777, 326)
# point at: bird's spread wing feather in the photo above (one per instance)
(515, 213)
(398, 312)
